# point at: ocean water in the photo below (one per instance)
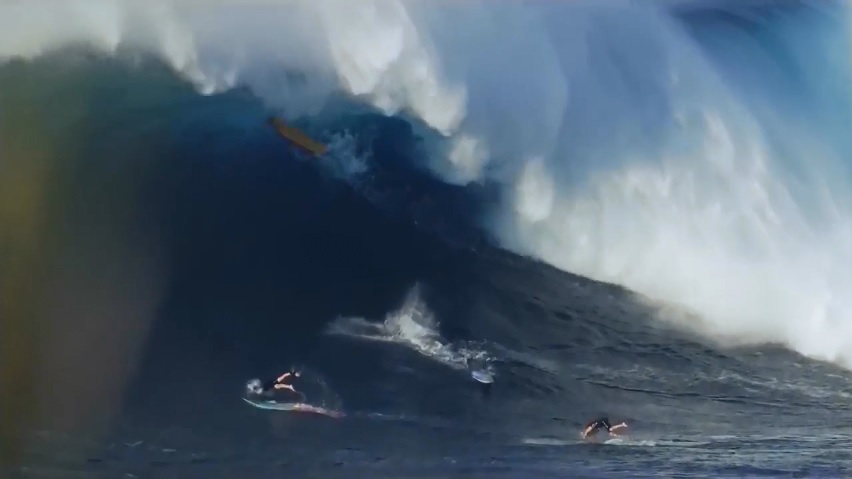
(635, 210)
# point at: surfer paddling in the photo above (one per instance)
(593, 427)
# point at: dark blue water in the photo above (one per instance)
(185, 248)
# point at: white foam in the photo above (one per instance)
(546, 441)
(344, 161)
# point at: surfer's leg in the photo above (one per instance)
(286, 386)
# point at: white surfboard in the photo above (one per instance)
(293, 406)
(482, 376)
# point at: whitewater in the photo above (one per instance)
(705, 167)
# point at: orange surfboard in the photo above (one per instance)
(295, 136)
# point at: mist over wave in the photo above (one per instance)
(700, 162)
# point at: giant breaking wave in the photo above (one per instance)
(700, 162)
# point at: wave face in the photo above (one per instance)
(697, 157)
(522, 187)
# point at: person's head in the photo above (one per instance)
(254, 386)
(294, 371)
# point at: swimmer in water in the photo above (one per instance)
(593, 427)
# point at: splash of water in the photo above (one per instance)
(414, 326)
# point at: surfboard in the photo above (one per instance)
(293, 406)
(482, 376)
(298, 138)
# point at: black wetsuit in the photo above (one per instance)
(598, 424)
(270, 385)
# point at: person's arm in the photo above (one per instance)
(282, 377)
(617, 426)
